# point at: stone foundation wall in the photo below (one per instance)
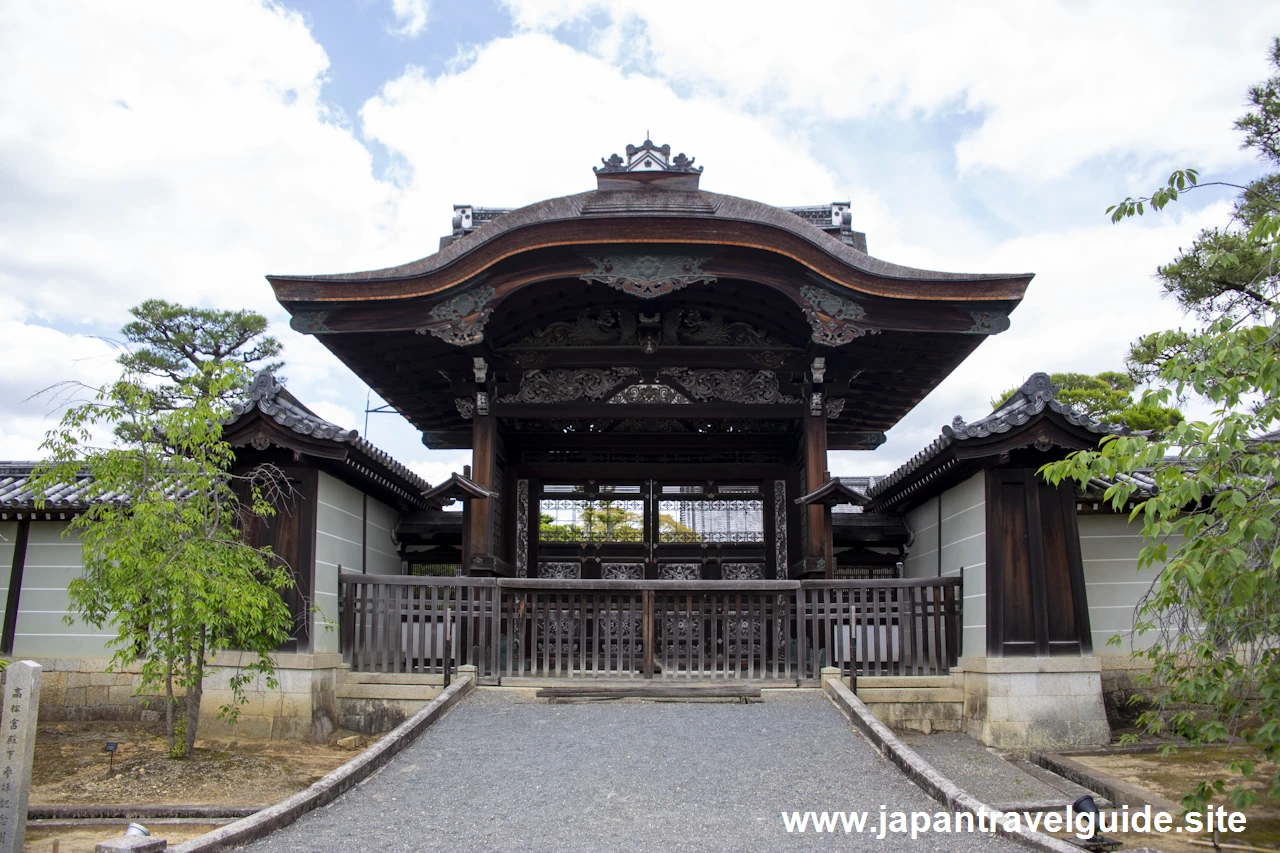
(80, 690)
(372, 703)
(303, 707)
(922, 703)
(1120, 680)
(1034, 703)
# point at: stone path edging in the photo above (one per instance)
(1116, 790)
(329, 788)
(924, 775)
(61, 812)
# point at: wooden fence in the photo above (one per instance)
(770, 630)
(684, 629)
(881, 627)
(395, 623)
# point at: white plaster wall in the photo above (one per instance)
(338, 515)
(922, 560)
(950, 539)
(1109, 546)
(383, 557)
(8, 536)
(339, 511)
(964, 551)
(52, 562)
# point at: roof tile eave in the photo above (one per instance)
(270, 398)
(726, 207)
(1033, 397)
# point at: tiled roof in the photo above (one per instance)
(1033, 397)
(16, 493)
(265, 395)
(613, 203)
(1145, 483)
(273, 400)
(862, 483)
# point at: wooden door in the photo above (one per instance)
(1035, 579)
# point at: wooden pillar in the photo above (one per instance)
(817, 545)
(15, 587)
(479, 522)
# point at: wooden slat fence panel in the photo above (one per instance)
(692, 630)
(395, 623)
(879, 627)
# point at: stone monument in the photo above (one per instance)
(18, 729)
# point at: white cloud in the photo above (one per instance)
(1092, 296)
(186, 156)
(193, 161)
(504, 115)
(1050, 85)
(441, 465)
(36, 358)
(411, 17)
(181, 154)
(514, 94)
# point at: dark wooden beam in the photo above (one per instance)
(749, 358)
(817, 547)
(479, 520)
(14, 598)
(601, 410)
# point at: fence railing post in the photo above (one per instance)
(647, 630)
(448, 644)
(347, 621)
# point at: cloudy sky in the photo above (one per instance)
(185, 150)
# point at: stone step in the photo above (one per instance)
(910, 694)
(651, 690)
(882, 681)
(410, 692)
(348, 677)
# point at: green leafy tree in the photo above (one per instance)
(604, 521)
(1211, 526)
(674, 531)
(165, 560)
(1109, 396)
(174, 344)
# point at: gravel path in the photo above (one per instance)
(986, 775)
(504, 771)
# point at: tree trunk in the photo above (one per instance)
(186, 711)
(194, 693)
(168, 692)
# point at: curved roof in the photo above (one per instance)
(647, 203)
(649, 215)
(1034, 396)
(266, 396)
(269, 397)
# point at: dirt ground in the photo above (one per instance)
(1173, 776)
(82, 839)
(71, 767)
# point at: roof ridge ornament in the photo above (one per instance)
(648, 157)
(1033, 397)
(269, 396)
(648, 167)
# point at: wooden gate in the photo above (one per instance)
(782, 631)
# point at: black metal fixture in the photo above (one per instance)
(1095, 841)
(111, 748)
